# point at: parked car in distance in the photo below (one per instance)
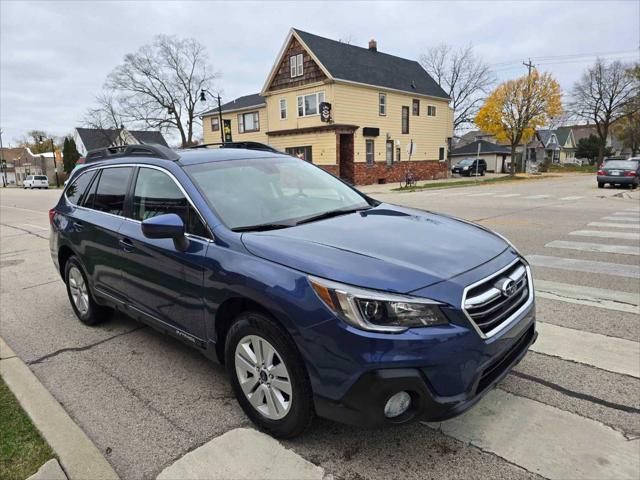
(319, 300)
(470, 166)
(620, 172)
(35, 181)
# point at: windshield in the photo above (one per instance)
(466, 161)
(271, 191)
(624, 164)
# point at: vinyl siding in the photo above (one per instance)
(358, 105)
(323, 145)
(291, 96)
(214, 137)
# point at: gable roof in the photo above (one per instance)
(349, 63)
(240, 103)
(563, 134)
(93, 138)
(485, 147)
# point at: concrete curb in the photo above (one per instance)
(78, 456)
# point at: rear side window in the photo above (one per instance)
(111, 190)
(157, 194)
(40, 177)
(76, 191)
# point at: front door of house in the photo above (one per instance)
(345, 162)
(389, 153)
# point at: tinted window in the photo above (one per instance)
(41, 177)
(76, 190)
(111, 190)
(157, 194)
(624, 164)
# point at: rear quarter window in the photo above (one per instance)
(77, 190)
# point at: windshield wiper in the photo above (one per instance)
(263, 227)
(331, 213)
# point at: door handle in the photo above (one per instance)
(126, 244)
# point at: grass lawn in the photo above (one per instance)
(22, 449)
(466, 183)
(573, 168)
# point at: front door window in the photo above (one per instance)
(390, 152)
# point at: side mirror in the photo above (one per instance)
(169, 225)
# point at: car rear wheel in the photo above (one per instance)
(82, 302)
(600, 184)
(268, 375)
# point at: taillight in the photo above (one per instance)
(629, 174)
(52, 214)
(601, 172)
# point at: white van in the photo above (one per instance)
(36, 181)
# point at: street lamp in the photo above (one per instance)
(55, 165)
(203, 98)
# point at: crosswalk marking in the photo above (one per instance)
(483, 194)
(626, 214)
(593, 297)
(605, 268)
(546, 440)
(572, 198)
(535, 197)
(600, 351)
(614, 225)
(508, 195)
(633, 209)
(622, 219)
(597, 233)
(595, 247)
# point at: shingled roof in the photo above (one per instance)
(485, 147)
(93, 138)
(246, 101)
(371, 67)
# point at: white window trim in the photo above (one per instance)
(380, 104)
(286, 111)
(296, 65)
(318, 101)
(432, 108)
(241, 127)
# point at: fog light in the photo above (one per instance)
(397, 405)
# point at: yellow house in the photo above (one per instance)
(364, 115)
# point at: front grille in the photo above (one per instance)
(495, 299)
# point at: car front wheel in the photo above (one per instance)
(268, 375)
(82, 302)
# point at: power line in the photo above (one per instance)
(566, 56)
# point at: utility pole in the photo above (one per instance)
(529, 66)
(3, 165)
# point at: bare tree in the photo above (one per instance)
(463, 76)
(105, 116)
(602, 96)
(158, 86)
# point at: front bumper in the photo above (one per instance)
(617, 179)
(364, 402)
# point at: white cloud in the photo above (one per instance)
(54, 56)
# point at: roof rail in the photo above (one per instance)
(248, 145)
(138, 150)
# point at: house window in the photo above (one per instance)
(303, 153)
(441, 154)
(405, 119)
(431, 111)
(248, 122)
(370, 152)
(382, 104)
(215, 124)
(416, 107)
(308, 104)
(283, 109)
(295, 63)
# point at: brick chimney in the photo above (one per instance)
(373, 45)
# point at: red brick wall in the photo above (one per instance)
(369, 174)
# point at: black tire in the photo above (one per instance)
(94, 313)
(301, 412)
(482, 173)
(600, 184)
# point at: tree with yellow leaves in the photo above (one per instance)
(517, 108)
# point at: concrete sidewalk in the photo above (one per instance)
(388, 187)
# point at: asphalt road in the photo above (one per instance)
(571, 409)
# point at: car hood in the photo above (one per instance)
(385, 248)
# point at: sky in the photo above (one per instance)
(55, 55)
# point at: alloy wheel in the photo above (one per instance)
(263, 377)
(79, 291)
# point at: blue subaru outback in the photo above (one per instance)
(318, 299)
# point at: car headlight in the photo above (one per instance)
(377, 311)
(466, 168)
